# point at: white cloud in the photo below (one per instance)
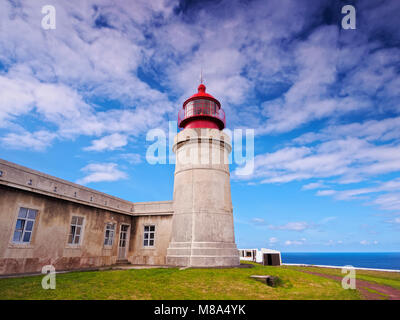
(99, 172)
(37, 141)
(295, 242)
(258, 221)
(339, 156)
(385, 193)
(251, 49)
(333, 242)
(111, 142)
(388, 186)
(389, 201)
(327, 219)
(367, 243)
(297, 163)
(273, 240)
(325, 192)
(298, 226)
(293, 226)
(132, 158)
(57, 104)
(370, 130)
(77, 63)
(395, 222)
(313, 185)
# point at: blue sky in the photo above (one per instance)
(77, 102)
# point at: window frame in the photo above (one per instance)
(114, 225)
(148, 239)
(200, 107)
(26, 219)
(81, 235)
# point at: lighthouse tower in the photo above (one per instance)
(202, 226)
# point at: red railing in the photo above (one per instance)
(201, 108)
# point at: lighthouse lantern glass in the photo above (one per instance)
(201, 107)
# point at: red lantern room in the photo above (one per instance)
(201, 110)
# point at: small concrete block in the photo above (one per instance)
(268, 280)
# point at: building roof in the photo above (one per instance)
(202, 94)
(263, 250)
(23, 178)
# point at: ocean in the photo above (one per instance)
(375, 260)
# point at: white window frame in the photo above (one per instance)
(112, 232)
(74, 235)
(24, 230)
(147, 235)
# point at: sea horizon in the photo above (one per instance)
(374, 260)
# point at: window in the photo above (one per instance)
(109, 235)
(149, 232)
(200, 107)
(24, 226)
(189, 110)
(75, 233)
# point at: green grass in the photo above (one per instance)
(391, 279)
(188, 284)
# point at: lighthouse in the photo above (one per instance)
(202, 226)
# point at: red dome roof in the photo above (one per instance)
(202, 94)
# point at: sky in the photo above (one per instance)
(78, 101)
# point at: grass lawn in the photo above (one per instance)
(391, 279)
(165, 284)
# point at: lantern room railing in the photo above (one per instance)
(202, 108)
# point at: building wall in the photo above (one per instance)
(151, 255)
(49, 238)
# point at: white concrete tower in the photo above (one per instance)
(202, 226)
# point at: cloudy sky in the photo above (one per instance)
(77, 102)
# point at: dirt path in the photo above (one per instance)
(363, 286)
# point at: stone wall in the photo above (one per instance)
(155, 255)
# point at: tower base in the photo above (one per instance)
(203, 254)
